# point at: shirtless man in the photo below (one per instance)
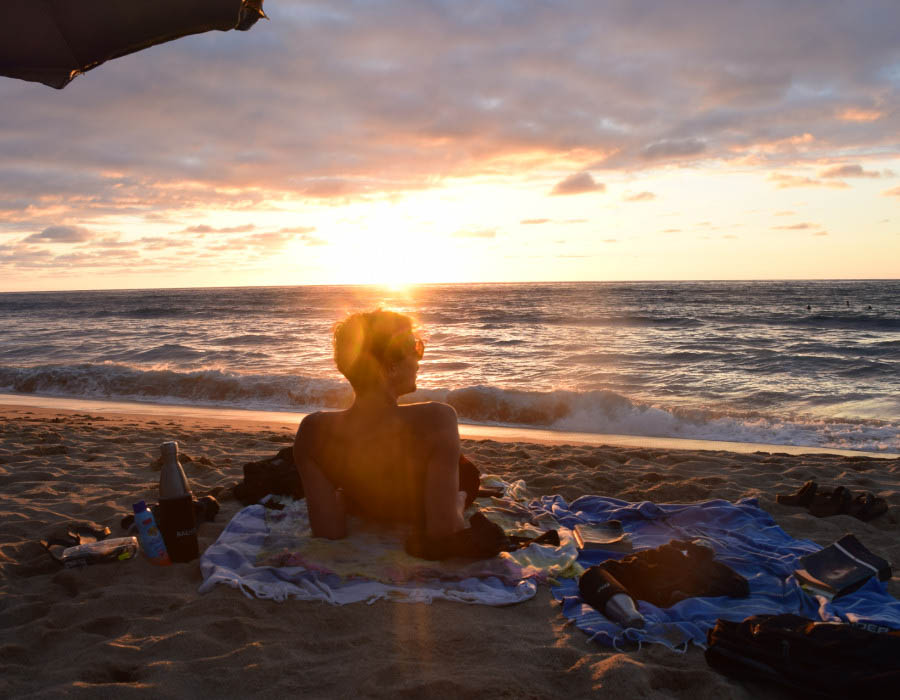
(377, 459)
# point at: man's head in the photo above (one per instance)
(368, 345)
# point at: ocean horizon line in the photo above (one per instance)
(403, 285)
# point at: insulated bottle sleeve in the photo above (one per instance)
(597, 586)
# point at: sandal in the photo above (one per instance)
(75, 534)
(803, 497)
(827, 504)
(867, 506)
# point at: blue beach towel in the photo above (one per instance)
(744, 537)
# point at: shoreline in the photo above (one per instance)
(467, 430)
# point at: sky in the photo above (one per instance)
(429, 141)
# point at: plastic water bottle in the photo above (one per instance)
(604, 593)
(151, 539)
(176, 507)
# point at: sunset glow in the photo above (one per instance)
(503, 143)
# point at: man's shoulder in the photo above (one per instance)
(318, 421)
(434, 411)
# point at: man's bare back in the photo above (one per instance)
(380, 464)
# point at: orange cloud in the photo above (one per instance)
(578, 184)
(785, 181)
(852, 114)
(794, 227)
(848, 170)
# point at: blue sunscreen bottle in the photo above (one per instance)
(149, 536)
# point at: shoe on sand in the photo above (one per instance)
(803, 497)
(867, 506)
(825, 504)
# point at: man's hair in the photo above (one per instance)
(366, 343)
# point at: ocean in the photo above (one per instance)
(813, 363)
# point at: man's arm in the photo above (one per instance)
(325, 503)
(443, 502)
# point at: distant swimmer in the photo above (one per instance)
(808, 307)
(869, 307)
(848, 303)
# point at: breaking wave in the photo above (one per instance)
(604, 412)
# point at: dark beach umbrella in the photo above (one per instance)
(52, 41)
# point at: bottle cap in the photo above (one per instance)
(139, 506)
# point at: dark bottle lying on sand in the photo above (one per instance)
(176, 507)
(603, 592)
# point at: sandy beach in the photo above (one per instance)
(132, 629)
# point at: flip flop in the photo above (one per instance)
(803, 497)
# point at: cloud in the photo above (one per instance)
(640, 197)
(527, 222)
(795, 227)
(848, 171)
(578, 183)
(785, 212)
(204, 229)
(297, 229)
(820, 233)
(673, 149)
(61, 234)
(330, 187)
(482, 233)
(111, 242)
(672, 230)
(164, 242)
(785, 181)
(853, 114)
(893, 192)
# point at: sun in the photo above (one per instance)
(393, 247)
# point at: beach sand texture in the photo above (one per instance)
(132, 629)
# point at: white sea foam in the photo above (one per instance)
(591, 412)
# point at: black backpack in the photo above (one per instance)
(812, 659)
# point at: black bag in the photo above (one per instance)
(815, 659)
(276, 475)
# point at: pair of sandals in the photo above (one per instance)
(73, 535)
(825, 502)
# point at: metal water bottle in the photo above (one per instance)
(176, 507)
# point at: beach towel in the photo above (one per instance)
(270, 553)
(743, 536)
